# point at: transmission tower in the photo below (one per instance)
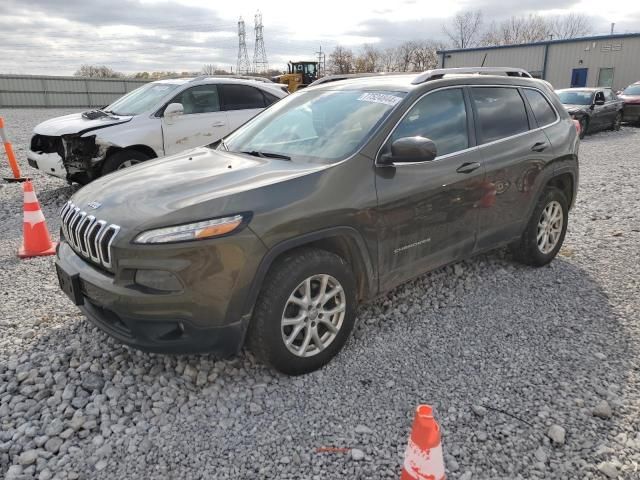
(260, 63)
(243, 66)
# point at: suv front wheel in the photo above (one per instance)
(305, 311)
(545, 232)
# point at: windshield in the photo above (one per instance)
(325, 125)
(575, 98)
(141, 99)
(632, 90)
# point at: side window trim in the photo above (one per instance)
(526, 105)
(472, 144)
(553, 108)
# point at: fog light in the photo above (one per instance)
(158, 280)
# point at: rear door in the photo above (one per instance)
(202, 122)
(514, 151)
(427, 211)
(242, 103)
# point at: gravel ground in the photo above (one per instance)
(511, 357)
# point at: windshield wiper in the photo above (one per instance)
(255, 153)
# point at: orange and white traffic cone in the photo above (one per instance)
(37, 241)
(423, 458)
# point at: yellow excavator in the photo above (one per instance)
(299, 75)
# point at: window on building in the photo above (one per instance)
(540, 106)
(605, 77)
(501, 112)
(441, 117)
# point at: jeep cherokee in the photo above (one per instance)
(330, 197)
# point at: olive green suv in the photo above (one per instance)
(328, 198)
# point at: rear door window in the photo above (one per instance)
(440, 116)
(540, 106)
(241, 97)
(501, 113)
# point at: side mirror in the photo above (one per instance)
(173, 110)
(410, 149)
(599, 101)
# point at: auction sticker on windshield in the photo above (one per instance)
(383, 98)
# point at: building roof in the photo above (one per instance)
(545, 42)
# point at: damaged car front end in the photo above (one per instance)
(72, 157)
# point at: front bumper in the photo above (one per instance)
(163, 322)
(49, 163)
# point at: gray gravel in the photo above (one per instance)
(504, 352)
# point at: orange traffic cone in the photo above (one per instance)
(36, 242)
(423, 458)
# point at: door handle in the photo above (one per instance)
(218, 124)
(539, 146)
(468, 167)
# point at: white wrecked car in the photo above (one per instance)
(157, 119)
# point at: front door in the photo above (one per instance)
(203, 122)
(427, 211)
(579, 77)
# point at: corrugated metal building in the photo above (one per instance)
(49, 91)
(607, 60)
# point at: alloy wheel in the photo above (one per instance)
(549, 227)
(313, 315)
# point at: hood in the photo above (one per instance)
(633, 99)
(193, 185)
(76, 123)
(575, 108)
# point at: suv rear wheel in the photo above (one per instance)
(305, 311)
(122, 159)
(545, 232)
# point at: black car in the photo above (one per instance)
(595, 108)
(328, 198)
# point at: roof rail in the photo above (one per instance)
(240, 77)
(439, 73)
(348, 76)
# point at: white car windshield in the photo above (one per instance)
(141, 99)
(323, 125)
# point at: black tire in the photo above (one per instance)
(617, 122)
(584, 126)
(526, 249)
(116, 160)
(265, 336)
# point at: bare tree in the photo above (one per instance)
(570, 26)
(425, 55)
(97, 71)
(209, 69)
(464, 29)
(515, 30)
(341, 60)
(406, 52)
(389, 59)
(368, 60)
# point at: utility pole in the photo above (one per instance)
(260, 63)
(321, 62)
(243, 59)
(612, 27)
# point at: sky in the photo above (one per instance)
(55, 37)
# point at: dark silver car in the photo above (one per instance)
(328, 198)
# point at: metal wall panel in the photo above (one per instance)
(530, 58)
(50, 91)
(621, 54)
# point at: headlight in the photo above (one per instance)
(191, 231)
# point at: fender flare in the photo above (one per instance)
(370, 275)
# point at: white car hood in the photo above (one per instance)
(76, 123)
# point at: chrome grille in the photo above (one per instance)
(88, 236)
